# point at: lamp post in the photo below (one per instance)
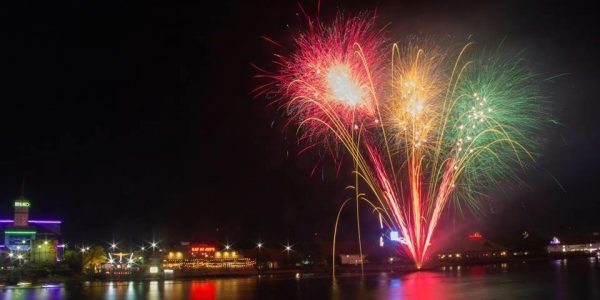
(259, 246)
(288, 248)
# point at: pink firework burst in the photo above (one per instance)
(328, 84)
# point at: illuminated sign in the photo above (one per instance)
(202, 249)
(395, 237)
(555, 241)
(19, 232)
(153, 270)
(44, 222)
(475, 236)
(22, 204)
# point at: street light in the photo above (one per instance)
(287, 250)
(153, 245)
(259, 245)
(113, 246)
(227, 247)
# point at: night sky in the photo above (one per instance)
(128, 120)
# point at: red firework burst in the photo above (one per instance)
(328, 84)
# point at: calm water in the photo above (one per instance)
(557, 279)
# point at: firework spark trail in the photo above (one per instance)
(329, 89)
(448, 126)
(390, 197)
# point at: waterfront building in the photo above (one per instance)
(472, 249)
(28, 239)
(574, 246)
(200, 256)
(352, 259)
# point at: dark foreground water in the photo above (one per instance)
(548, 279)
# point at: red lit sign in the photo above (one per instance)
(475, 236)
(201, 248)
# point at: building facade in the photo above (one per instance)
(30, 240)
(197, 257)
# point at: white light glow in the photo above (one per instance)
(415, 108)
(343, 86)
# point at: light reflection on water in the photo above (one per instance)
(554, 279)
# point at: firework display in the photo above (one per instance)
(425, 125)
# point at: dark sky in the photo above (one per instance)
(132, 119)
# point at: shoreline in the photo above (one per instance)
(341, 271)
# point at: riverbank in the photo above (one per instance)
(15, 280)
(536, 279)
(20, 278)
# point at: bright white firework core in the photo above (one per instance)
(415, 108)
(342, 86)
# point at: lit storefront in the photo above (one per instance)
(203, 256)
